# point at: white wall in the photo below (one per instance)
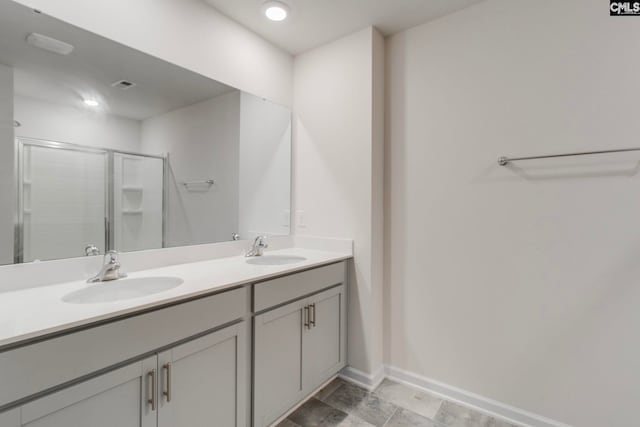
(334, 178)
(54, 122)
(202, 142)
(7, 154)
(265, 168)
(518, 283)
(188, 33)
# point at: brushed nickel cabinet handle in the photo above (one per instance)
(313, 317)
(306, 317)
(167, 392)
(154, 390)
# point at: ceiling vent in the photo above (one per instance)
(123, 84)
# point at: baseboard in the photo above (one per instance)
(362, 379)
(467, 398)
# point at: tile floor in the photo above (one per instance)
(342, 404)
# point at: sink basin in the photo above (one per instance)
(121, 289)
(275, 259)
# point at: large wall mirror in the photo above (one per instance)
(104, 147)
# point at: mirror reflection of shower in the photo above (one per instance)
(72, 196)
(228, 174)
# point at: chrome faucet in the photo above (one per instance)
(110, 269)
(258, 247)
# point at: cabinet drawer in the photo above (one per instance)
(117, 398)
(277, 291)
(38, 367)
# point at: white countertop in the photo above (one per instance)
(36, 312)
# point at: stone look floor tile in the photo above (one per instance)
(342, 404)
(364, 405)
(494, 422)
(315, 413)
(353, 421)
(406, 418)
(327, 390)
(287, 423)
(416, 401)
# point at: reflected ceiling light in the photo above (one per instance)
(91, 103)
(275, 10)
(50, 44)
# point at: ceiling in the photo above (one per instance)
(92, 67)
(315, 22)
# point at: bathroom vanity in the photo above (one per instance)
(240, 345)
(113, 149)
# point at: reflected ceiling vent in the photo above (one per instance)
(123, 84)
(50, 44)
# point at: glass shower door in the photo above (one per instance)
(63, 201)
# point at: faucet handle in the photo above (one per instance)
(114, 263)
(259, 244)
(110, 269)
(111, 257)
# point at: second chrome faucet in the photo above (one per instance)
(258, 247)
(110, 269)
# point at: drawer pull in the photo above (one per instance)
(306, 317)
(154, 390)
(312, 322)
(167, 392)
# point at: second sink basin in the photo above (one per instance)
(275, 259)
(121, 289)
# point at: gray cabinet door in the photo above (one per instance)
(10, 418)
(277, 362)
(203, 383)
(323, 342)
(118, 398)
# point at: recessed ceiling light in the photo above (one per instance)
(275, 10)
(91, 102)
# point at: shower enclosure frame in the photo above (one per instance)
(109, 214)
